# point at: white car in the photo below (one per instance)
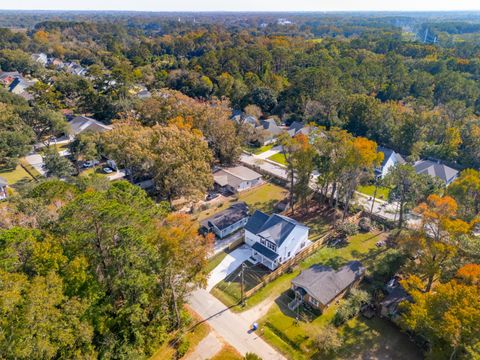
(107, 170)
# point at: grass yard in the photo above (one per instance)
(382, 192)
(215, 260)
(279, 158)
(193, 337)
(17, 175)
(258, 150)
(227, 353)
(362, 338)
(263, 197)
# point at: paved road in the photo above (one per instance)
(267, 166)
(233, 328)
(381, 208)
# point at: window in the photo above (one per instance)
(288, 254)
(262, 241)
(271, 246)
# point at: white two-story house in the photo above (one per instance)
(274, 239)
(390, 159)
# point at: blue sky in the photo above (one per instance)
(243, 5)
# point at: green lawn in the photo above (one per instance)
(263, 198)
(382, 192)
(360, 247)
(215, 260)
(16, 175)
(278, 158)
(258, 150)
(362, 338)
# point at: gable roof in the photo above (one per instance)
(274, 228)
(83, 123)
(389, 153)
(256, 221)
(271, 126)
(234, 176)
(444, 172)
(324, 284)
(228, 217)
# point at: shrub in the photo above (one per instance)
(252, 356)
(365, 224)
(348, 229)
(182, 348)
(351, 306)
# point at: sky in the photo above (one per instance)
(244, 5)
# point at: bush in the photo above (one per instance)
(182, 348)
(351, 306)
(252, 356)
(348, 229)
(365, 224)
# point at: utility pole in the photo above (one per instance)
(242, 287)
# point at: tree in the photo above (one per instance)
(466, 191)
(327, 340)
(45, 123)
(84, 148)
(55, 164)
(429, 258)
(300, 157)
(181, 163)
(15, 137)
(264, 97)
(253, 110)
(408, 188)
(448, 318)
(438, 219)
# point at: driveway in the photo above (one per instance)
(222, 244)
(269, 167)
(36, 161)
(271, 152)
(228, 265)
(233, 328)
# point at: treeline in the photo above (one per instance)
(375, 84)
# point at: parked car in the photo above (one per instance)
(89, 164)
(107, 170)
(212, 196)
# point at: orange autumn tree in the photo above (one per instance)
(448, 317)
(361, 160)
(439, 218)
(433, 245)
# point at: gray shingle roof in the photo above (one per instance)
(271, 126)
(387, 153)
(84, 123)
(228, 217)
(324, 284)
(269, 254)
(256, 221)
(234, 176)
(444, 172)
(275, 228)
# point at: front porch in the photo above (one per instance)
(265, 256)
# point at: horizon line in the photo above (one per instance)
(251, 11)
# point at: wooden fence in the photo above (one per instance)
(286, 265)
